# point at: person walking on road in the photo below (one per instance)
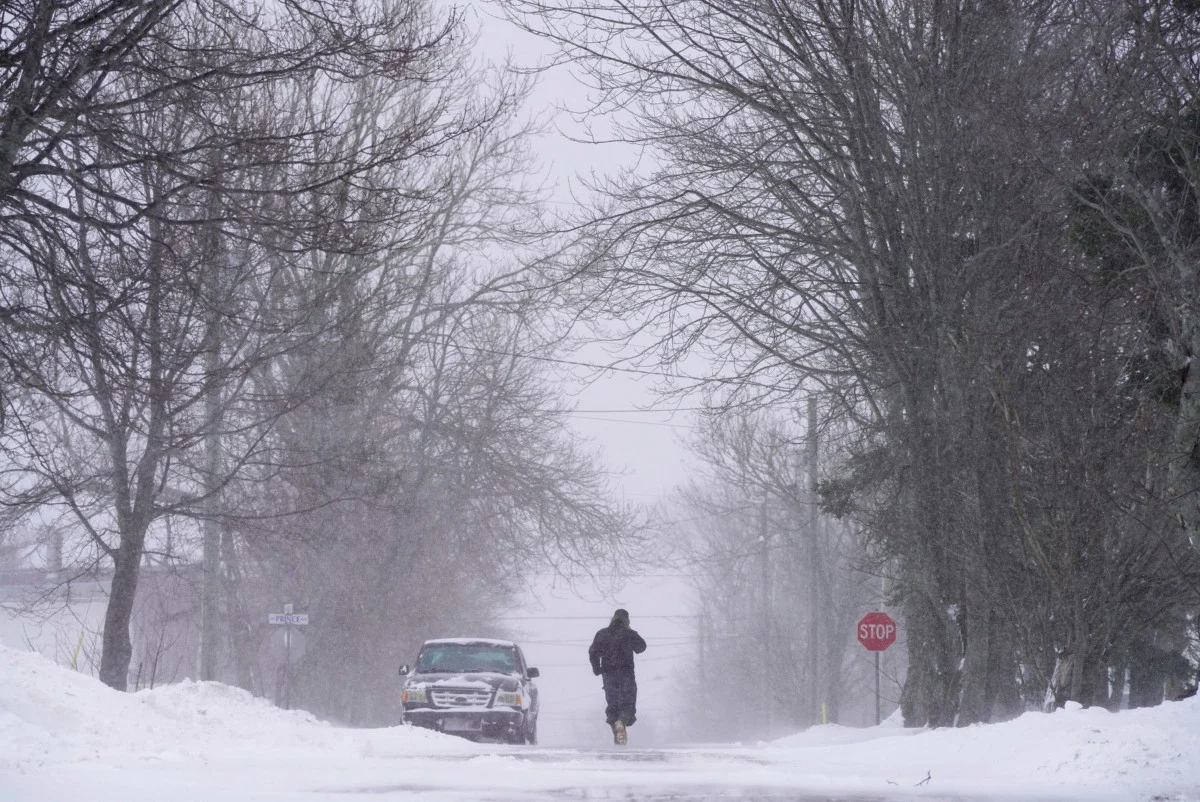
(611, 653)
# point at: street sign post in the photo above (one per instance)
(876, 631)
(288, 619)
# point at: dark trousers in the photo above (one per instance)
(620, 693)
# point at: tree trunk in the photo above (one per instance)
(1146, 679)
(1182, 473)
(237, 622)
(1053, 698)
(1116, 681)
(117, 649)
(1078, 646)
(1004, 695)
(931, 687)
(977, 617)
(977, 651)
(1094, 692)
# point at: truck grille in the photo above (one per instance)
(460, 697)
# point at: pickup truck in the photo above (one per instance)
(477, 688)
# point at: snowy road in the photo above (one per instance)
(646, 775)
(486, 774)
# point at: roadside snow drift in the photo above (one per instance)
(65, 736)
(1151, 753)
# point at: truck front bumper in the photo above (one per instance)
(504, 723)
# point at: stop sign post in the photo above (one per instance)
(876, 631)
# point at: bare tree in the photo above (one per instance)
(869, 201)
(811, 226)
(111, 298)
(411, 424)
(783, 582)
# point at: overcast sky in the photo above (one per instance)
(644, 447)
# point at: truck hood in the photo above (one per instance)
(484, 680)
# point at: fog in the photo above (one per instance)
(423, 321)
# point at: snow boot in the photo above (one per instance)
(620, 737)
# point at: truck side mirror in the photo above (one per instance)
(404, 669)
(532, 673)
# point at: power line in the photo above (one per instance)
(671, 411)
(743, 381)
(638, 422)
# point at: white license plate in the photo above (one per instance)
(461, 725)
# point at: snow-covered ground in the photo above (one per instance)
(64, 736)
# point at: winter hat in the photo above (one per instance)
(621, 615)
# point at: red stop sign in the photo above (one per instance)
(876, 631)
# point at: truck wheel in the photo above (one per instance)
(531, 733)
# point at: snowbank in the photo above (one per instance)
(1151, 753)
(52, 715)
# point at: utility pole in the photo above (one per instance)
(211, 580)
(703, 668)
(814, 558)
(210, 588)
(765, 669)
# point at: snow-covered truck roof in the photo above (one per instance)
(469, 642)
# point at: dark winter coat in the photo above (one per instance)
(614, 646)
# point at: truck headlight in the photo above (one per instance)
(413, 695)
(508, 698)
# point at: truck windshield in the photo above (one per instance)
(464, 657)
